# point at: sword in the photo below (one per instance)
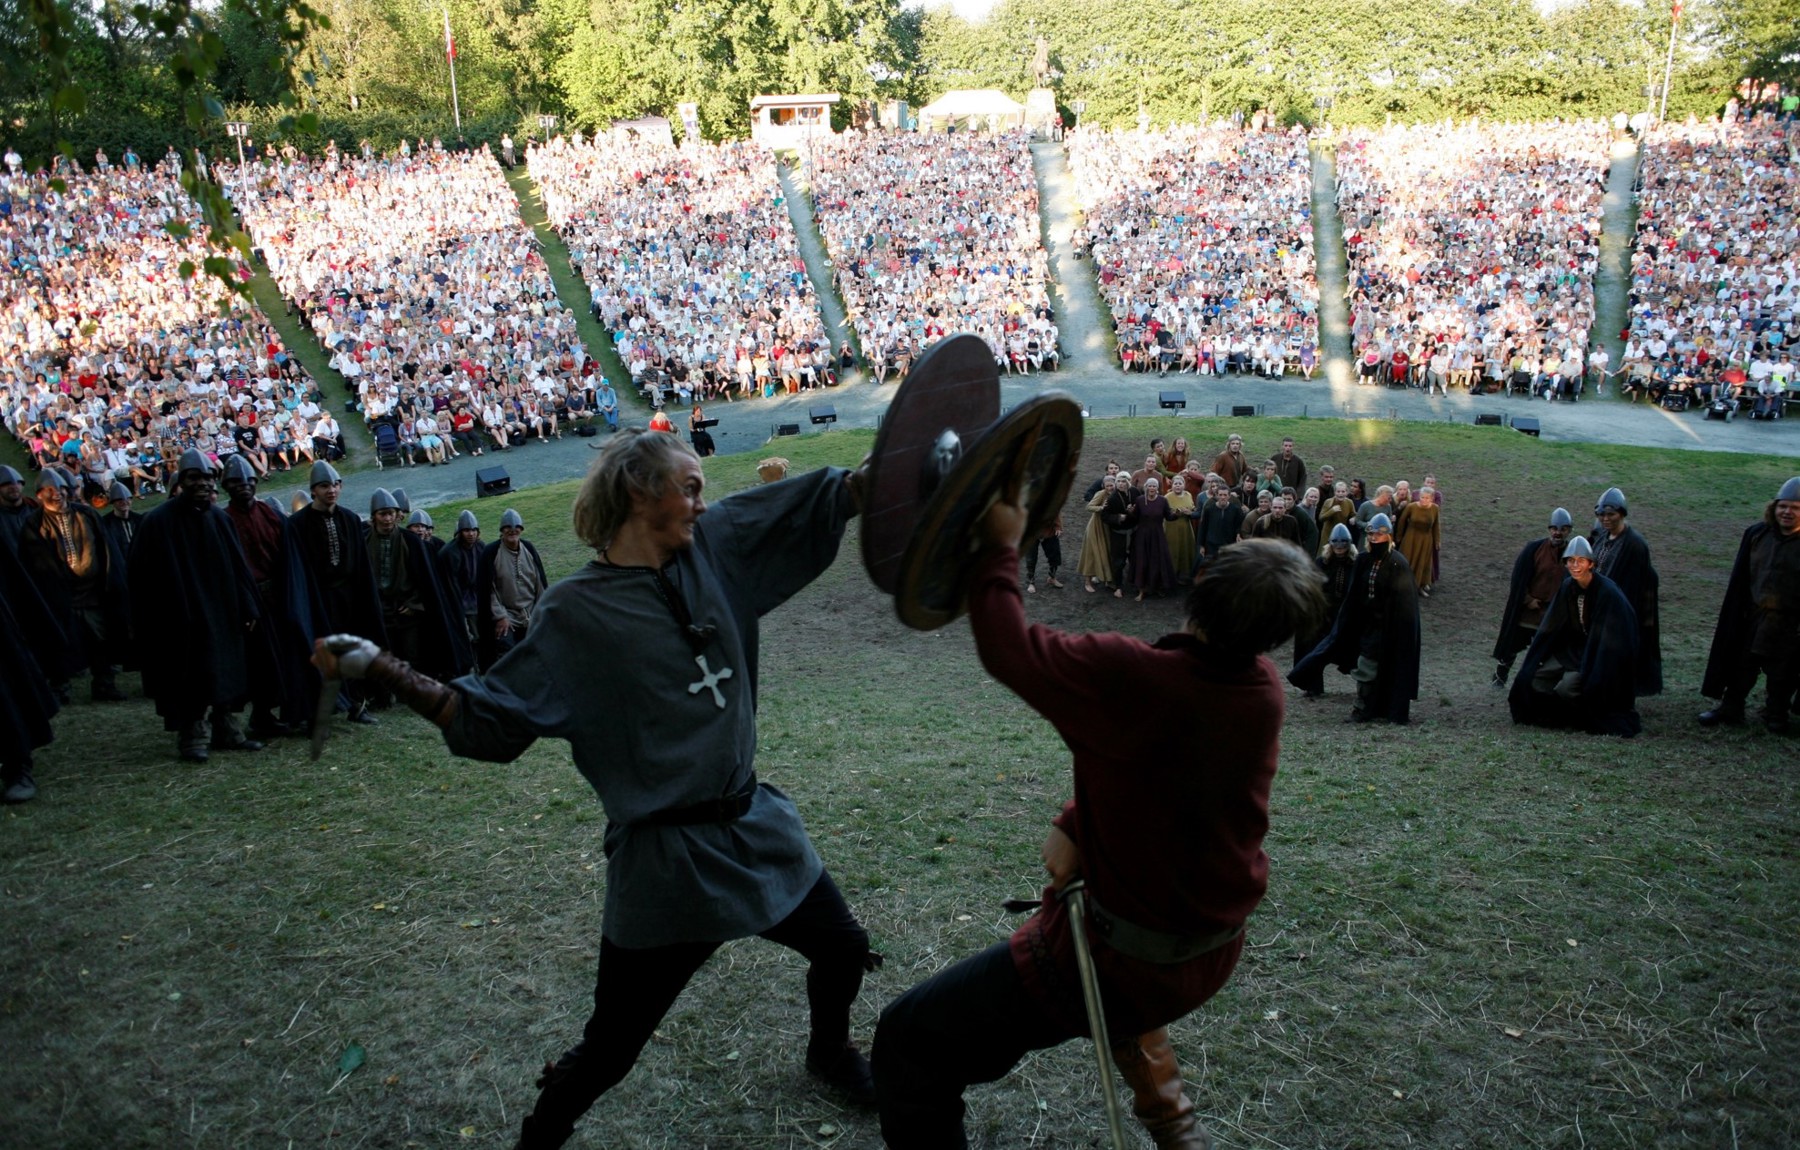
(1074, 896)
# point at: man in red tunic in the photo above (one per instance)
(258, 527)
(1171, 852)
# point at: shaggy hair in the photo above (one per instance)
(1255, 596)
(635, 463)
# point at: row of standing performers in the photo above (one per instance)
(1585, 613)
(217, 607)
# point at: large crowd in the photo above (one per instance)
(692, 263)
(428, 291)
(1472, 250)
(1715, 279)
(1202, 239)
(111, 363)
(932, 235)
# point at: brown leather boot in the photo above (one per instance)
(1149, 1067)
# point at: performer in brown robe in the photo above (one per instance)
(1417, 534)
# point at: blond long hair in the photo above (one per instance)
(635, 463)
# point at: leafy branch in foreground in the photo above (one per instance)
(186, 40)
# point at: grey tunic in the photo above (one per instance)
(606, 667)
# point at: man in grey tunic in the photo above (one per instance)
(663, 625)
(509, 582)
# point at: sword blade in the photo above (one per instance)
(1074, 897)
(321, 728)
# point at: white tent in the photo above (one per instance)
(978, 107)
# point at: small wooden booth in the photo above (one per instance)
(789, 121)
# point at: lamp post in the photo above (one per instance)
(239, 130)
(547, 123)
(1662, 110)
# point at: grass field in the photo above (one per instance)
(1475, 935)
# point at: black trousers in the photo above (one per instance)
(1782, 674)
(1118, 548)
(971, 1023)
(96, 640)
(1051, 545)
(634, 988)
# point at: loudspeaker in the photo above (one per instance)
(826, 414)
(788, 429)
(1171, 400)
(1527, 424)
(1243, 409)
(492, 481)
(1488, 419)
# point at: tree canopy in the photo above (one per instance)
(104, 73)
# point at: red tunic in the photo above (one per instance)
(1168, 844)
(259, 534)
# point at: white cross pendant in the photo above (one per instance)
(710, 681)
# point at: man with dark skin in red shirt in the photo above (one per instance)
(1170, 851)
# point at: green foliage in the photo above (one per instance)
(1367, 60)
(1751, 38)
(103, 74)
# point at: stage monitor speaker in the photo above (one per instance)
(1171, 400)
(788, 429)
(826, 414)
(1488, 419)
(1243, 409)
(1526, 424)
(492, 481)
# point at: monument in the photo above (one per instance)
(1040, 102)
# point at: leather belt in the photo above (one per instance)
(1154, 946)
(729, 809)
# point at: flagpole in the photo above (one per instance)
(450, 54)
(1669, 62)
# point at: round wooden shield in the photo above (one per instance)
(1036, 445)
(954, 386)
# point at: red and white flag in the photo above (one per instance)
(450, 42)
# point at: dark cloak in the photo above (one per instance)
(57, 652)
(1737, 618)
(1510, 642)
(1219, 528)
(485, 642)
(443, 640)
(1335, 572)
(315, 609)
(1397, 646)
(1608, 665)
(1627, 563)
(460, 569)
(193, 598)
(1309, 529)
(54, 585)
(123, 529)
(269, 668)
(26, 703)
